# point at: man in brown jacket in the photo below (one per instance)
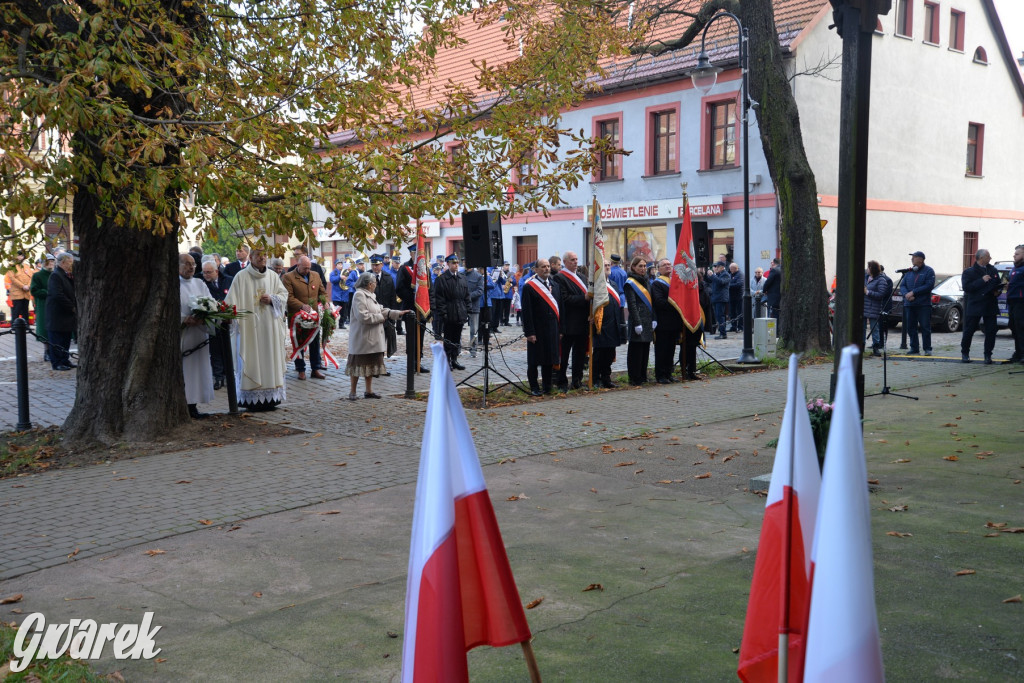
(19, 281)
(304, 291)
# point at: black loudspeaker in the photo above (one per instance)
(701, 247)
(481, 234)
(700, 242)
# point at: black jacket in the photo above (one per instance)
(61, 305)
(232, 268)
(451, 298)
(385, 291)
(980, 297)
(219, 287)
(669, 320)
(405, 285)
(773, 287)
(574, 307)
(639, 314)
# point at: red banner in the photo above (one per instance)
(682, 291)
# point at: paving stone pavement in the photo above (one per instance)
(354, 447)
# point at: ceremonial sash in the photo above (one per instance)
(573, 278)
(641, 292)
(328, 356)
(612, 293)
(544, 293)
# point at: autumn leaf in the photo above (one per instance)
(1015, 598)
(950, 424)
(593, 587)
(183, 481)
(1013, 530)
(898, 508)
(951, 458)
(901, 460)
(73, 553)
(881, 441)
(330, 512)
(340, 464)
(625, 464)
(206, 522)
(155, 552)
(995, 525)
(257, 594)
(898, 534)
(10, 600)
(706, 475)
(638, 471)
(534, 603)
(161, 660)
(521, 496)
(873, 482)
(965, 572)
(994, 534)
(593, 490)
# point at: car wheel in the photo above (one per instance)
(952, 321)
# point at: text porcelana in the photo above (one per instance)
(82, 639)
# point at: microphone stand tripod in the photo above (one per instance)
(884, 333)
(487, 368)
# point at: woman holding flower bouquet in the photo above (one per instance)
(196, 366)
(366, 341)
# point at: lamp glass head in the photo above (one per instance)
(705, 75)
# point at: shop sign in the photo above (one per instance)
(664, 209)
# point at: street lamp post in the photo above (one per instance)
(704, 78)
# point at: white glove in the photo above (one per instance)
(654, 324)
(639, 329)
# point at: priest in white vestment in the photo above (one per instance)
(257, 340)
(196, 365)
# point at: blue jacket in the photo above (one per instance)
(494, 292)
(719, 287)
(920, 282)
(1015, 290)
(337, 293)
(617, 275)
(879, 289)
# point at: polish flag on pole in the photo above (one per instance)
(789, 518)
(842, 632)
(460, 591)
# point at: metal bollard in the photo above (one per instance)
(411, 349)
(20, 327)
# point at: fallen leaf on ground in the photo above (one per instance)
(902, 460)
(898, 534)
(521, 496)
(206, 522)
(995, 525)
(706, 475)
(965, 572)
(534, 603)
(73, 553)
(985, 453)
(873, 482)
(951, 458)
(257, 594)
(898, 508)
(155, 551)
(330, 512)
(638, 471)
(12, 599)
(593, 587)
(1015, 598)
(593, 490)
(950, 424)
(625, 464)
(992, 535)
(160, 660)
(1013, 530)
(881, 441)
(340, 464)
(183, 481)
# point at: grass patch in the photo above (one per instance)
(46, 670)
(28, 451)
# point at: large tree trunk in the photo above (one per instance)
(804, 320)
(130, 381)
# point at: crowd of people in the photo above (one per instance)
(549, 298)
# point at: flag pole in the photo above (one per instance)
(787, 551)
(531, 662)
(593, 265)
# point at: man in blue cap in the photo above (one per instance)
(916, 288)
(451, 306)
(354, 275)
(502, 307)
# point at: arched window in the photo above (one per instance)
(980, 56)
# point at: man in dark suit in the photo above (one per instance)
(242, 254)
(574, 320)
(540, 295)
(451, 305)
(981, 286)
(218, 284)
(773, 289)
(61, 312)
(405, 288)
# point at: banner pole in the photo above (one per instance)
(531, 661)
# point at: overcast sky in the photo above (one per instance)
(1011, 13)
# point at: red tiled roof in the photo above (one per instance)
(489, 43)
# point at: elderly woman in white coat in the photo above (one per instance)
(366, 341)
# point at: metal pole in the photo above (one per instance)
(20, 327)
(224, 337)
(747, 354)
(412, 349)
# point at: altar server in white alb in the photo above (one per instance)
(196, 365)
(257, 340)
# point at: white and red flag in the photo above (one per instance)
(842, 632)
(789, 518)
(460, 591)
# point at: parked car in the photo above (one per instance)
(947, 304)
(1004, 268)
